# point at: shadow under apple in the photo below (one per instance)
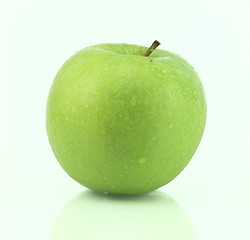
(91, 215)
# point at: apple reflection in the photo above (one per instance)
(95, 216)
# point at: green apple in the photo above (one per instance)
(125, 119)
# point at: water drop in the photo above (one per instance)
(154, 139)
(142, 160)
(133, 101)
(184, 93)
(103, 131)
(170, 125)
(106, 193)
(173, 92)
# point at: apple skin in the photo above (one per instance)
(122, 123)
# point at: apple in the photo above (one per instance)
(125, 119)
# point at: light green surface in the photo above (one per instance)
(122, 123)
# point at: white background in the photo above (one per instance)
(36, 37)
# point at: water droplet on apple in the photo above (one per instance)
(123, 74)
(103, 131)
(154, 139)
(106, 193)
(133, 101)
(142, 160)
(112, 187)
(173, 92)
(184, 93)
(170, 125)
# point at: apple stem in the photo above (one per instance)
(154, 45)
